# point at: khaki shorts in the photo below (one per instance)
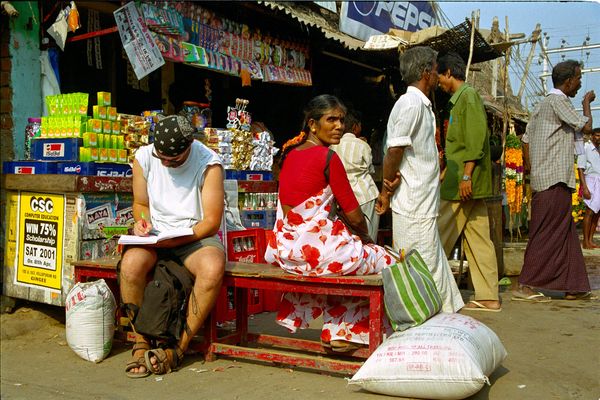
(188, 249)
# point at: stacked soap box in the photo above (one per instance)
(102, 139)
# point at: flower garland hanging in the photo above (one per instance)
(513, 181)
(577, 204)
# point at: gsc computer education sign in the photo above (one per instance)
(363, 19)
(40, 240)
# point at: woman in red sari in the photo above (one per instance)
(308, 241)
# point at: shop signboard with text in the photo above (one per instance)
(40, 240)
(363, 19)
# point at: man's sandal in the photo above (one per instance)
(137, 362)
(165, 362)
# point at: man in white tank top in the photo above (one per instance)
(177, 183)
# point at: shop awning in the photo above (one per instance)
(307, 16)
(457, 39)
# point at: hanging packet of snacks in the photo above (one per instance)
(238, 122)
(264, 151)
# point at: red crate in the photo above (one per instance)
(243, 246)
(226, 302)
(246, 246)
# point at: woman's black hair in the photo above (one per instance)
(315, 109)
(318, 107)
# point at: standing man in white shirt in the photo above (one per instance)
(357, 158)
(588, 164)
(412, 152)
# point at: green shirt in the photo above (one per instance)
(467, 139)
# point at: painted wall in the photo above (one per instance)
(24, 48)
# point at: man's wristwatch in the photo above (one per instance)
(466, 178)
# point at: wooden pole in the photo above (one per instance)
(505, 81)
(474, 18)
(535, 35)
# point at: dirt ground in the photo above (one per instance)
(553, 353)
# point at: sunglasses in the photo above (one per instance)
(172, 161)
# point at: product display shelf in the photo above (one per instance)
(47, 219)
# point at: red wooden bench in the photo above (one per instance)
(244, 344)
(240, 343)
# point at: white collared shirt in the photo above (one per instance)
(358, 161)
(590, 160)
(412, 125)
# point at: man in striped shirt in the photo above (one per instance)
(553, 257)
(357, 158)
(412, 152)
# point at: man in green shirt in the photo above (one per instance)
(467, 182)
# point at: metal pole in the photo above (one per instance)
(544, 65)
(564, 49)
(583, 71)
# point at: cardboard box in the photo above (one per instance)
(66, 149)
(29, 167)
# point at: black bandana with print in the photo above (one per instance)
(173, 135)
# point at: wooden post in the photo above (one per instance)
(535, 35)
(474, 24)
(506, 114)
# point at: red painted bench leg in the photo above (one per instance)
(376, 325)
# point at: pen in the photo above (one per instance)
(144, 222)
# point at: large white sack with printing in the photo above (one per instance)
(450, 356)
(90, 320)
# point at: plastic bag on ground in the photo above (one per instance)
(90, 320)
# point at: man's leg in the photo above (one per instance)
(587, 229)
(594, 226)
(136, 263)
(481, 255)
(451, 222)
(207, 264)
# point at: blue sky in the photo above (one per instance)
(570, 21)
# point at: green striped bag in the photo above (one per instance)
(410, 294)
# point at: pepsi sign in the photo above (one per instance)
(363, 19)
(76, 169)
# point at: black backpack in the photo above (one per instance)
(163, 311)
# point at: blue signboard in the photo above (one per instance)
(363, 19)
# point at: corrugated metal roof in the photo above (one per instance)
(304, 14)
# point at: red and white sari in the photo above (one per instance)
(307, 242)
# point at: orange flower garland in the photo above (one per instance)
(293, 141)
(577, 204)
(513, 181)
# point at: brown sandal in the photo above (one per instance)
(137, 362)
(580, 296)
(343, 346)
(165, 363)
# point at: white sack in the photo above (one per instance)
(90, 321)
(450, 356)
